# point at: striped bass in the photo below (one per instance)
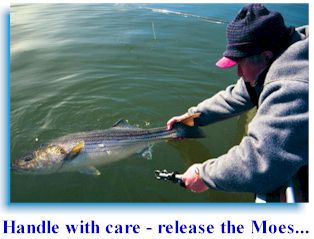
(85, 151)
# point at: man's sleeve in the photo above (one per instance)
(225, 104)
(275, 147)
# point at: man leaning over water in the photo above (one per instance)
(272, 63)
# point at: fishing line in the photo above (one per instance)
(153, 27)
(207, 19)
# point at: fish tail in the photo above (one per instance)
(184, 131)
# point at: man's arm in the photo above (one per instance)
(275, 147)
(228, 103)
(225, 104)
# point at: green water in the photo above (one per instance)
(80, 67)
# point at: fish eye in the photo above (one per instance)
(28, 158)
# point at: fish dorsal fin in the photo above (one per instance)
(122, 123)
(190, 120)
(75, 150)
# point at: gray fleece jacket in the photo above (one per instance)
(276, 144)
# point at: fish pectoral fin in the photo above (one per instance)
(78, 148)
(75, 150)
(189, 121)
(90, 171)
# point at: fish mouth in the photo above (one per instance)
(15, 168)
(14, 165)
(20, 168)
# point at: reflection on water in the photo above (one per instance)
(78, 67)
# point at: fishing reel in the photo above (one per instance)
(169, 177)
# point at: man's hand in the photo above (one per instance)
(176, 119)
(193, 180)
(187, 119)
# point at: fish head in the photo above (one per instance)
(44, 160)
